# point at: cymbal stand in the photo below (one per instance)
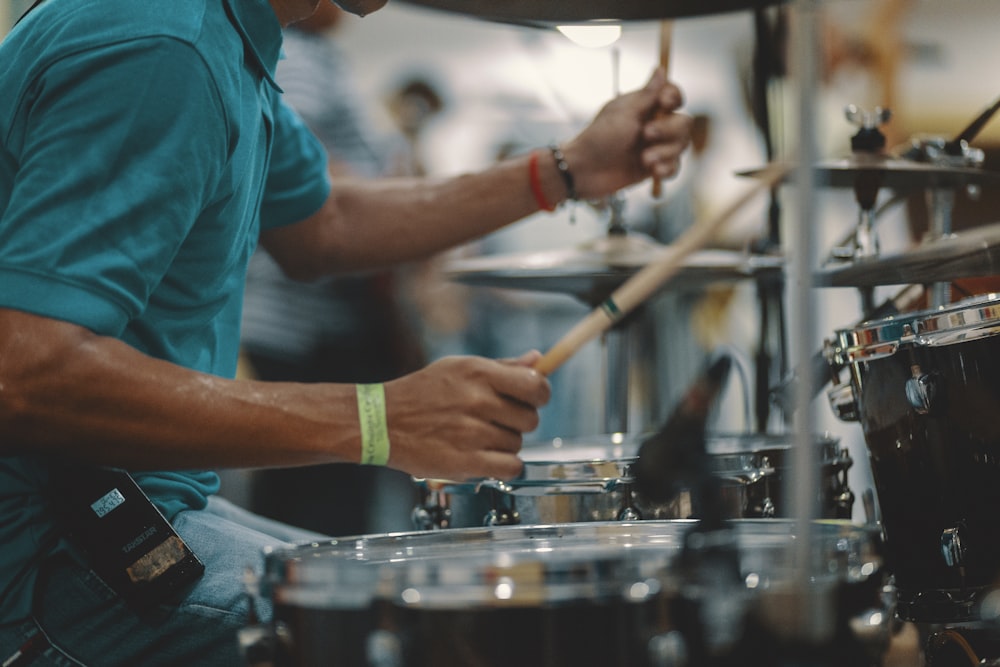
(772, 347)
(868, 140)
(617, 369)
(810, 614)
(941, 201)
(617, 343)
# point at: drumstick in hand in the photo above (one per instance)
(650, 278)
(666, 32)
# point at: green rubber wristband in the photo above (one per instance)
(374, 430)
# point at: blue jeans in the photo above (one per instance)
(78, 620)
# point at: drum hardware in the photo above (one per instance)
(951, 547)
(921, 390)
(958, 164)
(825, 367)
(843, 402)
(958, 145)
(935, 164)
(433, 512)
(868, 173)
(869, 141)
(504, 510)
(941, 201)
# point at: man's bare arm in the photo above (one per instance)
(66, 392)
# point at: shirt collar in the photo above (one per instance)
(261, 32)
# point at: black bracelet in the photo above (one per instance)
(564, 171)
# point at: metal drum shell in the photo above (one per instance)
(537, 596)
(590, 479)
(926, 386)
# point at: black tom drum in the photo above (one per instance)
(925, 386)
(600, 593)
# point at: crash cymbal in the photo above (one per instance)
(547, 13)
(971, 253)
(893, 173)
(591, 271)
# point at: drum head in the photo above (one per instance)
(467, 568)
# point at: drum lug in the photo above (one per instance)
(433, 513)
(952, 548)
(844, 504)
(920, 390)
(767, 508)
(630, 513)
(501, 514)
(843, 500)
(843, 401)
(502, 517)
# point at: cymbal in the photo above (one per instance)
(971, 253)
(547, 13)
(593, 270)
(891, 172)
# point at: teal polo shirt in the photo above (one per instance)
(144, 145)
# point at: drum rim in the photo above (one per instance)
(758, 443)
(736, 456)
(739, 457)
(965, 320)
(628, 550)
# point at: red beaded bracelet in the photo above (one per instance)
(536, 184)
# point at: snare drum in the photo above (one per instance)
(556, 596)
(591, 480)
(925, 387)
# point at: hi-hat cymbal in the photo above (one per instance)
(546, 13)
(890, 172)
(593, 270)
(969, 254)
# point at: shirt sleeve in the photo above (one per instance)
(123, 147)
(298, 181)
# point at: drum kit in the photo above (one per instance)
(583, 559)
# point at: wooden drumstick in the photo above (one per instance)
(650, 278)
(666, 33)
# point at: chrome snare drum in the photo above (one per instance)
(926, 388)
(591, 480)
(600, 593)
